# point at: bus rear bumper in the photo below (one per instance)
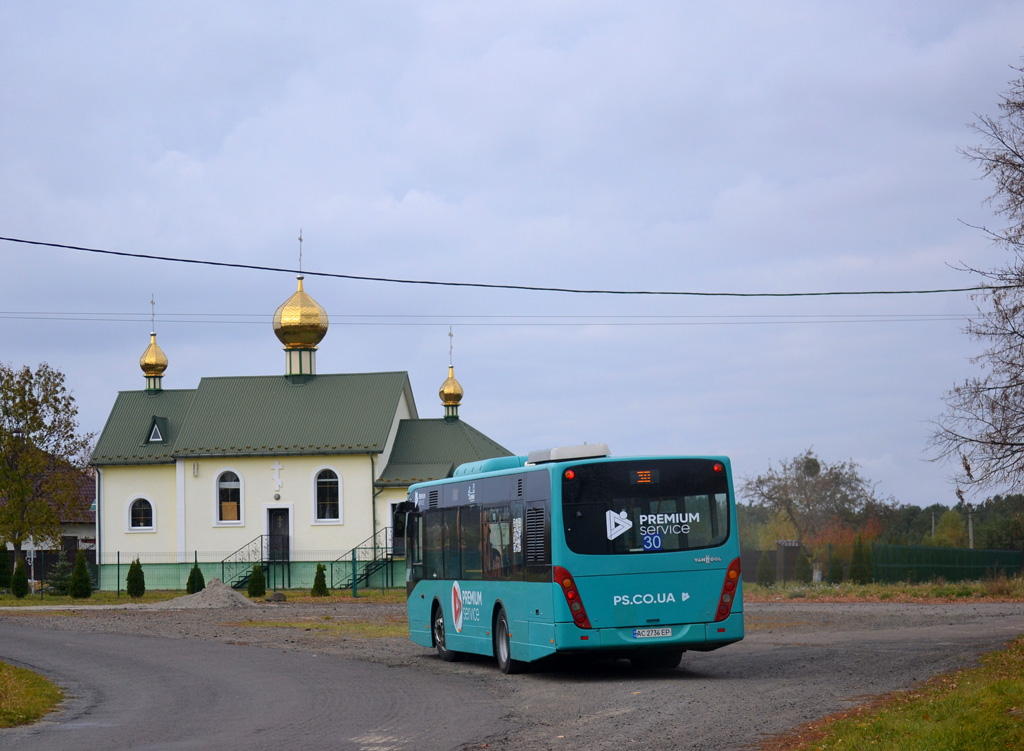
(695, 636)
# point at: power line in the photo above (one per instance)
(519, 287)
(474, 320)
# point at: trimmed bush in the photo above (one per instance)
(60, 575)
(196, 582)
(765, 571)
(257, 581)
(803, 572)
(80, 586)
(320, 581)
(19, 581)
(136, 580)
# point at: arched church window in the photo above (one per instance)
(229, 498)
(141, 514)
(328, 496)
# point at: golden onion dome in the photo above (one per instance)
(451, 390)
(300, 322)
(153, 361)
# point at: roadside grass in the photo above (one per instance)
(99, 597)
(24, 696)
(977, 708)
(334, 627)
(366, 596)
(997, 589)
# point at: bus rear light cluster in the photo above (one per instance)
(732, 581)
(572, 596)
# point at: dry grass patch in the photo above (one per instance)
(24, 696)
(997, 589)
(330, 626)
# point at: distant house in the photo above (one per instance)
(303, 466)
(77, 529)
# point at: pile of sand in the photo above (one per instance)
(216, 595)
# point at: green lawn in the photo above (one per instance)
(976, 709)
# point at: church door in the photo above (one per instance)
(277, 519)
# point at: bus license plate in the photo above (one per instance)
(650, 633)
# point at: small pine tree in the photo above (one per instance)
(320, 581)
(19, 581)
(80, 586)
(257, 581)
(765, 571)
(860, 564)
(60, 575)
(835, 570)
(136, 580)
(803, 572)
(196, 581)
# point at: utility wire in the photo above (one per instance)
(520, 287)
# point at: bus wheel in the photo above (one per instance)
(658, 659)
(502, 648)
(438, 629)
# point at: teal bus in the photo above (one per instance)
(571, 550)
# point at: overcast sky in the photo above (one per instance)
(704, 147)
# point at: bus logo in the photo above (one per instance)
(617, 524)
(457, 606)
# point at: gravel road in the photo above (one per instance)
(800, 661)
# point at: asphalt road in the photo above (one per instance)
(153, 693)
(799, 662)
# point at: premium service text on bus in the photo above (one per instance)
(572, 550)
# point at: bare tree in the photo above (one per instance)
(983, 426)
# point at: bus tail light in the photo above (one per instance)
(732, 582)
(572, 596)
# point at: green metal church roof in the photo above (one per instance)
(255, 416)
(432, 449)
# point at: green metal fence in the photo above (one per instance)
(914, 563)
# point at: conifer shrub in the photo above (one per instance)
(320, 581)
(60, 575)
(803, 572)
(80, 586)
(196, 581)
(136, 580)
(860, 563)
(257, 581)
(765, 570)
(19, 581)
(835, 569)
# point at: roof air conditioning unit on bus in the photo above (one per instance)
(568, 453)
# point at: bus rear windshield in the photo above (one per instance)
(645, 507)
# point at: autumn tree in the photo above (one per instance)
(982, 429)
(950, 532)
(811, 494)
(42, 455)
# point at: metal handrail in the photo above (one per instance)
(361, 562)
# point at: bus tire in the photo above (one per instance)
(503, 646)
(657, 659)
(437, 630)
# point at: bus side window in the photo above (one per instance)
(450, 544)
(469, 524)
(432, 562)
